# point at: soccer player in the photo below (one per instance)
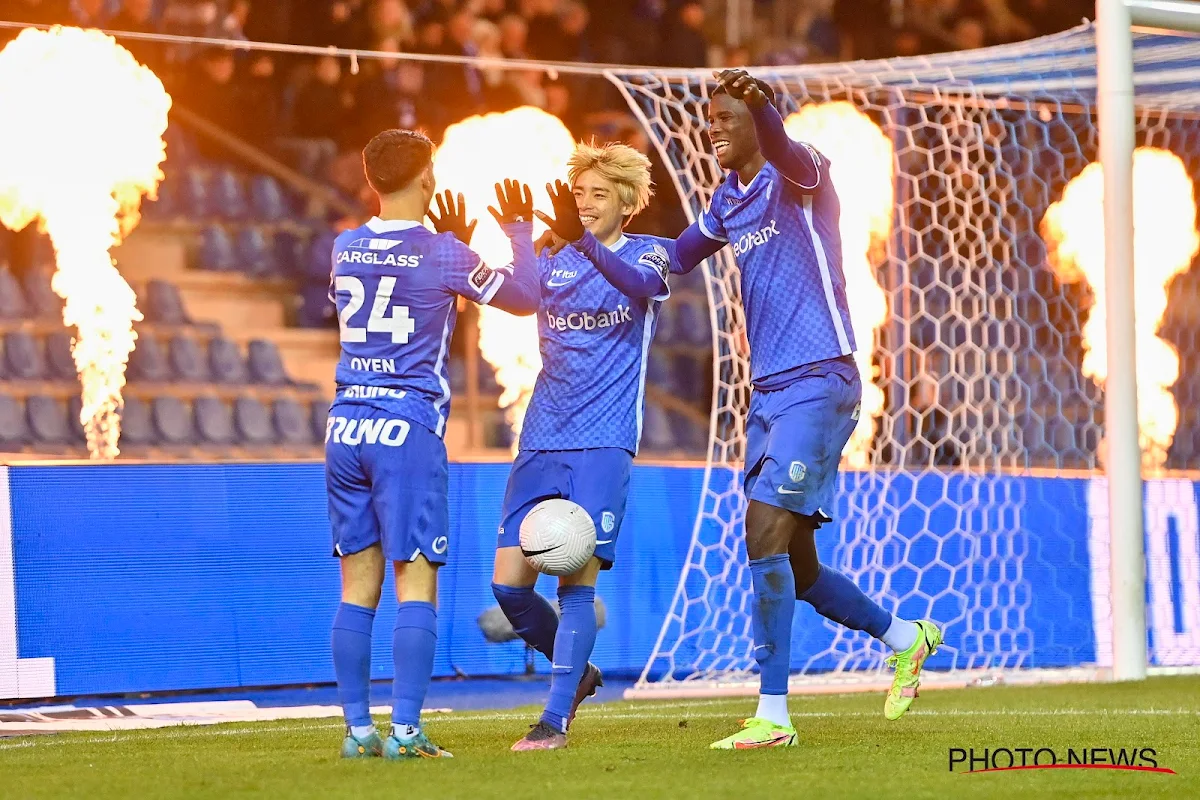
(396, 286)
(599, 307)
(779, 209)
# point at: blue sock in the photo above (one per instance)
(413, 642)
(771, 620)
(352, 661)
(838, 598)
(531, 615)
(572, 649)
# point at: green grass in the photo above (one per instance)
(654, 749)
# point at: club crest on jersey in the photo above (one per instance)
(659, 259)
(481, 275)
(608, 521)
(797, 471)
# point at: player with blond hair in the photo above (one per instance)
(599, 307)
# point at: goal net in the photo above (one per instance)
(970, 493)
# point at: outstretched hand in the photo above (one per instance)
(453, 217)
(548, 243)
(515, 201)
(741, 86)
(566, 223)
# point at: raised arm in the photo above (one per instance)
(797, 162)
(693, 246)
(520, 291)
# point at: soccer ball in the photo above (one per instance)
(558, 537)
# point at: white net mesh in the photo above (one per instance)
(961, 506)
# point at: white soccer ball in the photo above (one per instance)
(558, 537)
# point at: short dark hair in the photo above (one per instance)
(766, 89)
(394, 158)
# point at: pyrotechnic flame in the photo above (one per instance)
(532, 146)
(1164, 242)
(80, 143)
(862, 166)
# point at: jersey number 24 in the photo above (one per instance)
(398, 323)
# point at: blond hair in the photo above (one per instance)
(619, 164)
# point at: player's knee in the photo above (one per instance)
(584, 577)
(511, 568)
(416, 580)
(362, 577)
(769, 530)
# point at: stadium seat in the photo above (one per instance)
(137, 424)
(292, 423)
(267, 200)
(214, 421)
(658, 369)
(188, 361)
(315, 309)
(40, 299)
(227, 195)
(319, 417)
(656, 430)
(163, 304)
(216, 250)
(225, 361)
(24, 357)
(173, 421)
(12, 299)
(687, 377)
(60, 362)
(14, 432)
(290, 252)
(255, 255)
(78, 434)
(692, 325)
(197, 202)
(266, 365)
(148, 361)
(253, 422)
(48, 422)
(319, 250)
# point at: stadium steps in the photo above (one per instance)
(309, 354)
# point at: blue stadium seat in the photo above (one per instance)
(290, 252)
(319, 418)
(14, 432)
(137, 424)
(24, 356)
(148, 361)
(227, 195)
(173, 420)
(267, 199)
(319, 250)
(216, 250)
(188, 361)
(48, 420)
(292, 423)
(41, 300)
(255, 255)
(12, 299)
(692, 324)
(658, 369)
(266, 365)
(197, 199)
(58, 357)
(253, 422)
(163, 304)
(214, 421)
(687, 377)
(78, 434)
(656, 430)
(315, 309)
(225, 361)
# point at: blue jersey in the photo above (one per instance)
(788, 247)
(396, 286)
(594, 342)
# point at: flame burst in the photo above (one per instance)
(862, 166)
(80, 144)
(1164, 242)
(532, 146)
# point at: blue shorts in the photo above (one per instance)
(596, 479)
(387, 481)
(795, 436)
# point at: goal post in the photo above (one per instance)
(991, 447)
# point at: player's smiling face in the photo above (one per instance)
(600, 207)
(731, 130)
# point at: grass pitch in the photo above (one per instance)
(656, 749)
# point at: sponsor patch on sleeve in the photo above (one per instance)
(481, 275)
(659, 259)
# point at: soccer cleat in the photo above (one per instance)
(419, 747)
(908, 667)
(541, 737)
(755, 733)
(592, 679)
(370, 747)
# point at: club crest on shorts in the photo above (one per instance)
(797, 471)
(608, 521)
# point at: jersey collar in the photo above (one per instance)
(619, 243)
(378, 225)
(743, 188)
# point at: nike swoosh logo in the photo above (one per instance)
(603, 541)
(790, 491)
(553, 285)
(528, 553)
